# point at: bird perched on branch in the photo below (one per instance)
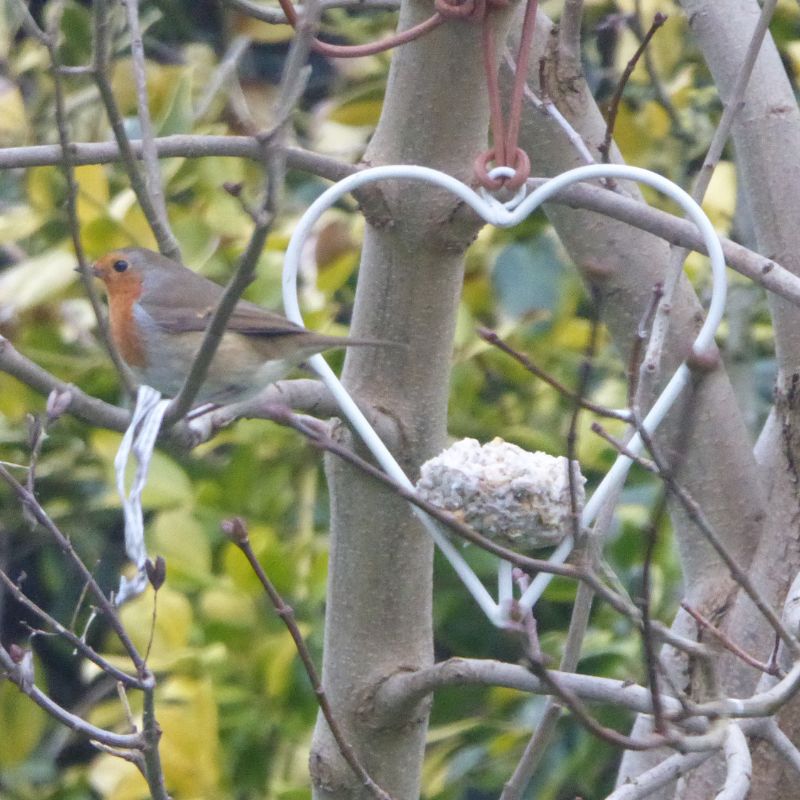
(159, 310)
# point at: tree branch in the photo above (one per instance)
(13, 672)
(152, 181)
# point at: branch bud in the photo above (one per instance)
(235, 529)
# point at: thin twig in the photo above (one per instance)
(704, 526)
(663, 98)
(166, 239)
(16, 592)
(768, 668)
(621, 448)
(576, 706)
(734, 104)
(13, 671)
(650, 657)
(639, 342)
(492, 338)
(151, 732)
(605, 148)
(545, 105)
(31, 504)
(569, 30)
(237, 533)
(292, 82)
(67, 163)
(101, 66)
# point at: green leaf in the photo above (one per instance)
(528, 277)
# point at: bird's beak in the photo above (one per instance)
(92, 269)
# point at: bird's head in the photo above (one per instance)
(132, 270)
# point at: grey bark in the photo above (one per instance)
(705, 433)
(378, 615)
(767, 129)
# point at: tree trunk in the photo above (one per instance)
(378, 616)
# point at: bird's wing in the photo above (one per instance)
(247, 318)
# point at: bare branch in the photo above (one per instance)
(166, 239)
(101, 66)
(662, 774)
(764, 271)
(13, 672)
(679, 231)
(703, 179)
(738, 763)
(67, 163)
(403, 690)
(605, 148)
(78, 643)
(179, 145)
(569, 30)
(31, 504)
(237, 533)
(276, 17)
(728, 644)
(294, 77)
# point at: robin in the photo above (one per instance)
(159, 310)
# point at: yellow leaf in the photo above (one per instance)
(181, 540)
(172, 626)
(115, 779)
(44, 187)
(720, 200)
(637, 131)
(36, 280)
(13, 121)
(18, 222)
(189, 747)
(93, 194)
(571, 334)
(187, 713)
(278, 666)
(22, 723)
(336, 272)
(228, 605)
(358, 112)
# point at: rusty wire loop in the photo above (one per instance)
(504, 151)
(371, 48)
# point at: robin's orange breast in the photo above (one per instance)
(122, 323)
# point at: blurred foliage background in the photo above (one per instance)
(235, 706)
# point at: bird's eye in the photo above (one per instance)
(120, 266)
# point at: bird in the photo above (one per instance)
(158, 313)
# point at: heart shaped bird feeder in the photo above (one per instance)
(506, 215)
